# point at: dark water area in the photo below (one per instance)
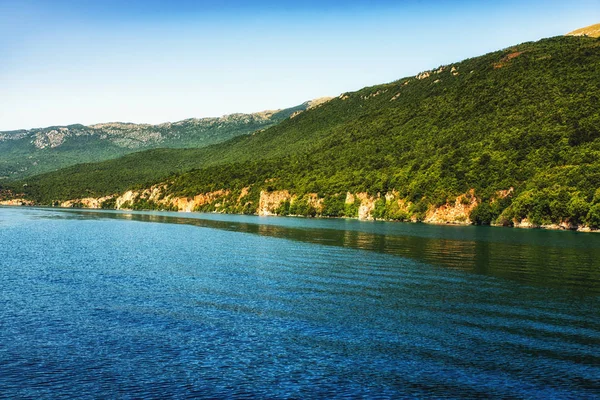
(146, 305)
(566, 260)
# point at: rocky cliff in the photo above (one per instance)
(366, 207)
(457, 212)
(16, 202)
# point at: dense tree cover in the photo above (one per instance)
(526, 117)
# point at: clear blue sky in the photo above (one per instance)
(93, 61)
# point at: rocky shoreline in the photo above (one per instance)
(456, 213)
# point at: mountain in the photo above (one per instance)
(590, 31)
(511, 137)
(31, 152)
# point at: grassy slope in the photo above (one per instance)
(524, 117)
(591, 31)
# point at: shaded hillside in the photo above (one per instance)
(31, 152)
(526, 117)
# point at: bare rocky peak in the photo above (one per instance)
(119, 125)
(317, 102)
(129, 135)
(235, 117)
(53, 138)
(591, 31)
(312, 104)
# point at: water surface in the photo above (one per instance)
(113, 304)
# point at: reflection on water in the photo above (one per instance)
(93, 305)
(527, 260)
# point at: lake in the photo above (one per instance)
(144, 305)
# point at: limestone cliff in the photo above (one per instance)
(367, 203)
(88, 202)
(156, 195)
(16, 202)
(270, 201)
(387, 206)
(457, 212)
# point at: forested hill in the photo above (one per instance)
(25, 153)
(526, 118)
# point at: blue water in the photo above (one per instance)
(147, 305)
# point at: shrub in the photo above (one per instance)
(482, 214)
(284, 208)
(578, 209)
(333, 206)
(109, 204)
(351, 209)
(593, 216)
(379, 209)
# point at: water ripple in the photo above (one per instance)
(104, 307)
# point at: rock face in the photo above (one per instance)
(317, 102)
(374, 94)
(314, 201)
(270, 201)
(187, 204)
(125, 198)
(89, 202)
(53, 138)
(312, 104)
(136, 136)
(16, 202)
(453, 213)
(367, 204)
(524, 223)
(156, 197)
(349, 198)
(565, 225)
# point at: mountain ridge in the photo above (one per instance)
(590, 31)
(28, 152)
(510, 137)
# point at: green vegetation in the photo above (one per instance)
(32, 152)
(526, 117)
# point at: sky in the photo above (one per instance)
(147, 61)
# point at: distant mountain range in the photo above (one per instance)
(511, 138)
(29, 152)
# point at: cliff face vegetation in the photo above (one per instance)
(464, 210)
(281, 202)
(511, 138)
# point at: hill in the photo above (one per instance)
(590, 31)
(511, 137)
(35, 151)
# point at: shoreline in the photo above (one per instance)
(526, 225)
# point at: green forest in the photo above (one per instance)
(526, 117)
